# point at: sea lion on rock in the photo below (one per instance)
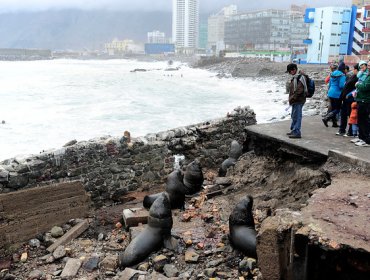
(175, 189)
(193, 178)
(236, 150)
(241, 226)
(152, 237)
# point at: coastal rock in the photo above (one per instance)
(71, 268)
(56, 232)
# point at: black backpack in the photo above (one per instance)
(310, 87)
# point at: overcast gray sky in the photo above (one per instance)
(207, 6)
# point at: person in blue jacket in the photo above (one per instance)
(336, 84)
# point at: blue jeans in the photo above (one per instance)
(296, 115)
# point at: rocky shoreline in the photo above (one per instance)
(201, 248)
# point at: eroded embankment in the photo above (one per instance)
(290, 245)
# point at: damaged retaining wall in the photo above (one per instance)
(111, 167)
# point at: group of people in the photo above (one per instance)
(349, 96)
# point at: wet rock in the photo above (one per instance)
(130, 273)
(191, 256)
(159, 262)
(215, 262)
(17, 181)
(91, 264)
(210, 272)
(35, 275)
(4, 176)
(59, 252)
(34, 243)
(109, 263)
(170, 270)
(21, 168)
(143, 266)
(71, 268)
(171, 243)
(186, 274)
(56, 232)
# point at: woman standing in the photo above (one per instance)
(336, 84)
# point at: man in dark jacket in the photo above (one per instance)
(297, 98)
(346, 101)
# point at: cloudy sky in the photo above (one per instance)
(207, 6)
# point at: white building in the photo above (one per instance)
(185, 25)
(330, 33)
(117, 47)
(157, 37)
(216, 28)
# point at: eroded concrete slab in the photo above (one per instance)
(316, 139)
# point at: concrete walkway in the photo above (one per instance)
(315, 138)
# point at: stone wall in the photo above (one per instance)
(110, 167)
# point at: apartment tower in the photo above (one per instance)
(185, 25)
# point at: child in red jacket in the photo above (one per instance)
(353, 119)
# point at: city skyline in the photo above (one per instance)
(206, 6)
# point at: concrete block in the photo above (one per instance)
(132, 217)
(71, 268)
(28, 212)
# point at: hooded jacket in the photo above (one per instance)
(336, 84)
(363, 91)
(297, 94)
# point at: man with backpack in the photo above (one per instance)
(298, 91)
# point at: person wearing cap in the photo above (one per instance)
(297, 89)
(361, 75)
(336, 84)
(363, 112)
(346, 100)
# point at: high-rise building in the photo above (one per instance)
(266, 30)
(216, 28)
(361, 36)
(185, 25)
(203, 34)
(330, 33)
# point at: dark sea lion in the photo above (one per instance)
(236, 150)
(242, 230)
(193, 178)
(225, 165)
(149, 199)
(152, 237)
(175, 189)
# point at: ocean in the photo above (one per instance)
(45, 104)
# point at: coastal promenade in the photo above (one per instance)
(316, 139)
